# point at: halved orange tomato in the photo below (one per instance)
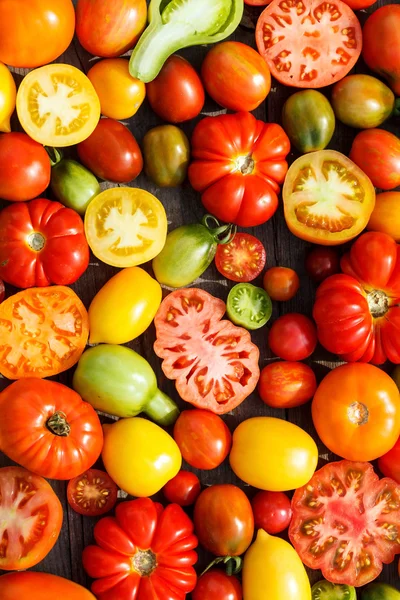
(125, 226)
(327, 199)
(57, 105)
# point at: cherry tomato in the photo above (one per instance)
(217, 585)
(242, 259)
(183, 489)
(287, 384)
(92, 494)
(322, 262)
(272, 511)
(281, 283)
(293, 337)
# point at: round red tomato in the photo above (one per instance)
(242, 259)
(25, 167)
(281, 283)
(389, 463)
(183, 489)
(92, 494)
(41, 242)
(293, 337)
(203, 438)
(322, 262)
(272, 511)
(377, 153)
(217, 585)
(177, 93)
(287, 384)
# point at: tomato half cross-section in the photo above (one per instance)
(214, 363)
(93, 493)
(346, 522)
(144, 552)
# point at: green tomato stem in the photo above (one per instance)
(55, 155)
(162, 409)
(227, 231)
(233, 564)
(396, 109)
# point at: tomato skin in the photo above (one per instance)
(322, 262)
(293, 337)
(92, 494)
(242, 259)
(380, 591)
(385, 216)
(287, 384)
(389, 463)
(217, 585)
(166, 152)
(183, 489)
(111, 152)
(281, 283)
(359, 4)
(73, 185)
(377, 153)
(40, 586)
(236, 76)
(177, 79)
(272, 511)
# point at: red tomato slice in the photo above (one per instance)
(242, 259)
(309, 43)
(92, 494)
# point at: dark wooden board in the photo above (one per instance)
(183, 206)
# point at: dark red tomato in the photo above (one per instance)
(293, 337)
(25, 167)
(183, 489)
(242, 259)
(177, 93)
(203, 438)
(287, 384)
(377, 153)
(272, 511)
(92, 494)
(2, 291)
(322, 262)
(217, 585)
(389, 463)
(111, 152)
(281, 283)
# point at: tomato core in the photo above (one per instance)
(144, 562)
(358, 413)
(245, 164)
(36, 241)
(58, 424)
(378, 303)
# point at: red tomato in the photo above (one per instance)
(25, 167)
(29, 585)
(203, 438)
(287, 384)
(92, 494)
(217, 585)
(31, 519)
(293, 337)
(41, 242)
(272, 511)
(343, 505)
(239, 174)
(281, 283)
(359, 4)
(110, 29)
(377, 153)
(111, 152)
(322, 262)
(257, 2)
(236, 76)
(2, 291)
(242, 259)
(307, 52)
(389, 463)
(183, 489)
(177, 93)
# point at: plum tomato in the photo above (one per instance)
(272, 511)
(287, 384)
(242, 259)
(389, 463)
(322, 262)
(293, 337)
(281, 283)
(183, 489)
(248, 306)
(217, 585)
(92, 494)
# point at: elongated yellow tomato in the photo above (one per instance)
(8, 93)
(124, 307)
(273, 454)
(273, 570)
(140, 456)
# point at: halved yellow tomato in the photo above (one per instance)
(125, 226)
(327, 199)
(57, 105)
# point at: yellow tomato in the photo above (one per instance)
(125, 226)
(272, 570)
(124, 307)
(273, 454)
(140, 456)
(57, 105)
(8, 93)
(386, 215)
(121, 95)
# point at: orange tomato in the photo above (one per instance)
(281, 283)
(40, 586)
(386, 215)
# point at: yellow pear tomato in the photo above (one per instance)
(273, 454)
(8, 94)
(140, 456)
(272, 570)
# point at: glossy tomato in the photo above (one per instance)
(359, 4)
(177, 93)
(377, 153)
(287, 384)
(285, 36)
(72, 184)
(281, 283)
(35, 33)
(272, 511)
(217, 585)
(183, 489)
(8, 94)
(25, 167)
(93, 493)
(203, 438)
(242, 259)
(389, 463)
(236, 76)
(386, 215)
(166, 152)
(293, 337)
(380, 591)
(40, 586)
(239, 176)
(322, 262)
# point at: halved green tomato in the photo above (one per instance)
(125, 226)
(248, 306)
(325, 590)
(327, 199)
(57, 105)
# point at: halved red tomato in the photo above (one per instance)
(327, 199)
(309, 44)
(92, 494)
(346, 522)
(242, 259)
(215, 364)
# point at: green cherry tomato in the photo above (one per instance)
(248, 306)
(308, 120)
(166, 153)
(324, 590)
(380, 591)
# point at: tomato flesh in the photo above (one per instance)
(92, 494)
(242, 259)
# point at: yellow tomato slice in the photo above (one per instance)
(125, 226)
(57, 105)
(327, 199)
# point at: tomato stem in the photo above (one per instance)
(55, 155)
(227, 231)
(58, 424)
(233, 564)
(378, 303)
(36, 241)
(144, 562)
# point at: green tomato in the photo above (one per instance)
(166, 153)
(324, 590)
(380, 591)
(248, 306)
(72, 184)
(308, 120)
(118, 381)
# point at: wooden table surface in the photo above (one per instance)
(183, 206)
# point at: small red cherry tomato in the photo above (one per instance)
(92, 494)
(242, 259)
(183, 489)
(293, 337)
(281, 283)
(272, 511)
(217, 585)
(287, 384)
(322, 262)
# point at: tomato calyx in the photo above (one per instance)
(358, 413)
(58, 424)
(227, 232)
(144, 562)
(36, 241)
(378, 303)
(245, 164)
(233, 564)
